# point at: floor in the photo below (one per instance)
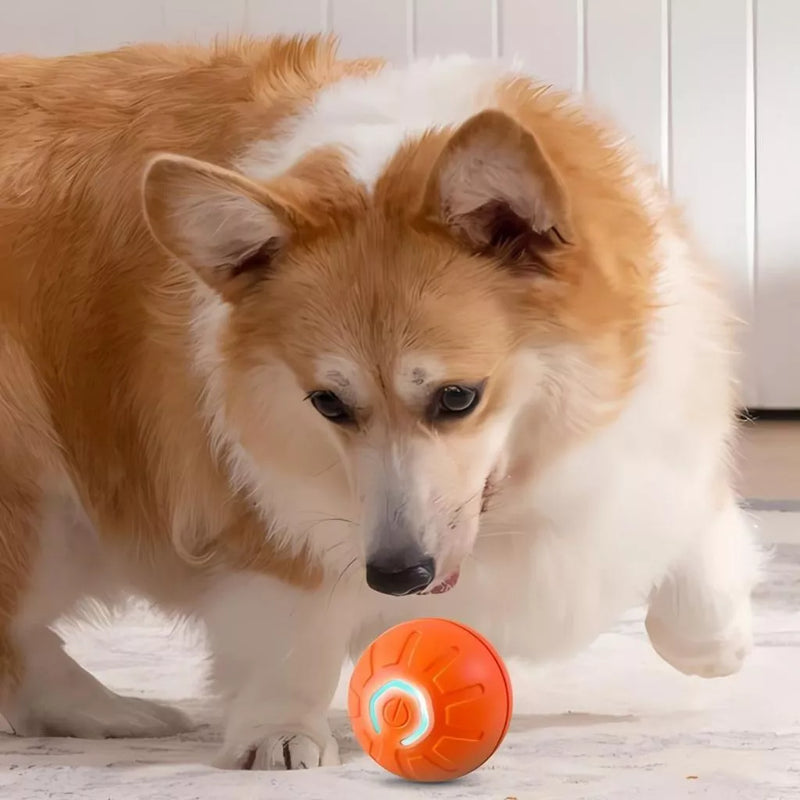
(615, 723)
(769, 467)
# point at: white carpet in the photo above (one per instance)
(615, 723)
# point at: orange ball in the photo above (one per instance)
(430, 700)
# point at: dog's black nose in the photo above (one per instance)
(394, 577)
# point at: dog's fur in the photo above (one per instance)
(193, 240)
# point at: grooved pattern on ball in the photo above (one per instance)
(459, 678)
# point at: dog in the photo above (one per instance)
(300, 347)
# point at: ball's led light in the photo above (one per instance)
(405, 687)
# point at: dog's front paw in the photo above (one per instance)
(282, 750)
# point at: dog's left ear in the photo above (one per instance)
(495, 189)
(222, 225)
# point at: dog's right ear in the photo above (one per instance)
(224, 226)
(495, 189)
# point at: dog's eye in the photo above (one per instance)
(331, 406)
(456, 401)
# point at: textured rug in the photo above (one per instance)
(614, 723)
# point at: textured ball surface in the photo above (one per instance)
(430, 700)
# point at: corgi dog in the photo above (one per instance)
(301, 347)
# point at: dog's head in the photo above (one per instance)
(407, 328)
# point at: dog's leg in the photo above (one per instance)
(57, 697)
(18, 521)
(49, 558)
(278, 653)
(52, 695)
(700, 617)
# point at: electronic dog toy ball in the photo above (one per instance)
(430, 700)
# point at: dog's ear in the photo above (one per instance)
(494, 188)
(224, 226)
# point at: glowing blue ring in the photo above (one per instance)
(406, 688)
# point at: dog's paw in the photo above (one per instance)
(714, 657)
(281, 751)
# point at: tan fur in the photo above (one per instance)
(368, 278)
(96, 378)
(83, 393)
(27, 451)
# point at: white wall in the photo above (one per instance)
(709, 88)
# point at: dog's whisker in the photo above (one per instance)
(341, 575)
(333, 547)
(325, 518)
(318, 522)
(466, 502)
(491, 534)
(324, 470)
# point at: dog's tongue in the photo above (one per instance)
(446, 584)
